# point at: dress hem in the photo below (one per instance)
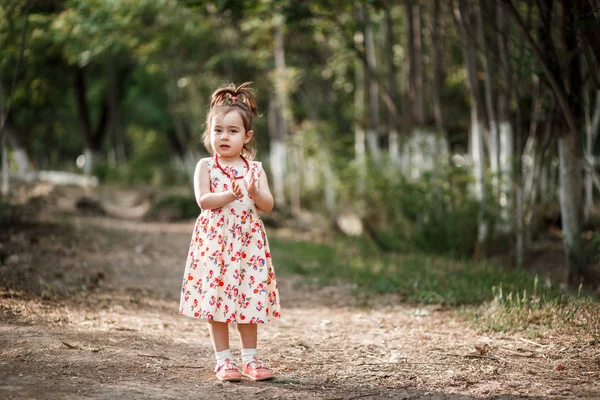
(273, 319)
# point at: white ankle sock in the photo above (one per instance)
(223, 355)
(248, 355)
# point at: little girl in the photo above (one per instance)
(229, 277)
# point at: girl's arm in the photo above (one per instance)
(262, 195)
(204, 197)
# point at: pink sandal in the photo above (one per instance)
(228, 372)
(257, 370)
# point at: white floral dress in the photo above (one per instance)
(229, 276)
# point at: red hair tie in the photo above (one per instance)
(233, 98)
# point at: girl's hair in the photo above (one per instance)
(229, 98)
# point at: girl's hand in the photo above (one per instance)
(251, 181)
(235, 190)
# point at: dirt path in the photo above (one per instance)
(121, 337)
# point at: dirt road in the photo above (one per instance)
(120, 336)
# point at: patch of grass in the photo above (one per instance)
(535, 311)
(417, 277)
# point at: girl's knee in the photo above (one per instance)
(247, 327)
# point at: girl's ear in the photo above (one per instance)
(249, 135)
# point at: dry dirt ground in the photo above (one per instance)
(96, 318)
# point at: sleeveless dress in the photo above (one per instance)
(229, 276)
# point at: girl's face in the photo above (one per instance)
(228, 135)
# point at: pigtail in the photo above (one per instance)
(244, 94)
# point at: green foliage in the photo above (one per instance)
(174, 207)
(150, 163)
(434, 214)
(418, 277)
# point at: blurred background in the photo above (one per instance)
(426, 144)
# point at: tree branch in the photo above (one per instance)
(383, 91)
(552, 79)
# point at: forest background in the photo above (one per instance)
(462, 129)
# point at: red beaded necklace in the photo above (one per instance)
(229, 174)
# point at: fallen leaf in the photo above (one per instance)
(483, 349)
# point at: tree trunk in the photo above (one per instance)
(278, 126)
(359, 130)
(410, 64)
(5, 109)
(277, 154)
(438, 66)
(506, 131)
(569, 144)
(477, 155)
(477, 115)
(372, 117)
(592, 125)
(489, 96)
(419, 74)
(116, 90)
(92, 139)
(570, 207)
(295, 186)
(329, 184)
(520, 212)
(393, 145)
(5, 183)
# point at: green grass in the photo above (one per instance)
(535, 312)
(417, 277)
(491, 296)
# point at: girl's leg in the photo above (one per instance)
(219, 335)
(248, 335)
(252, 367)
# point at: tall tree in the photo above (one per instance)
(6, 108)
(278, 129)
(592, 123)
(463, 19)
(506, 140)
(438, 65)
(392, 121)
(486, 48)
(372, 116)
